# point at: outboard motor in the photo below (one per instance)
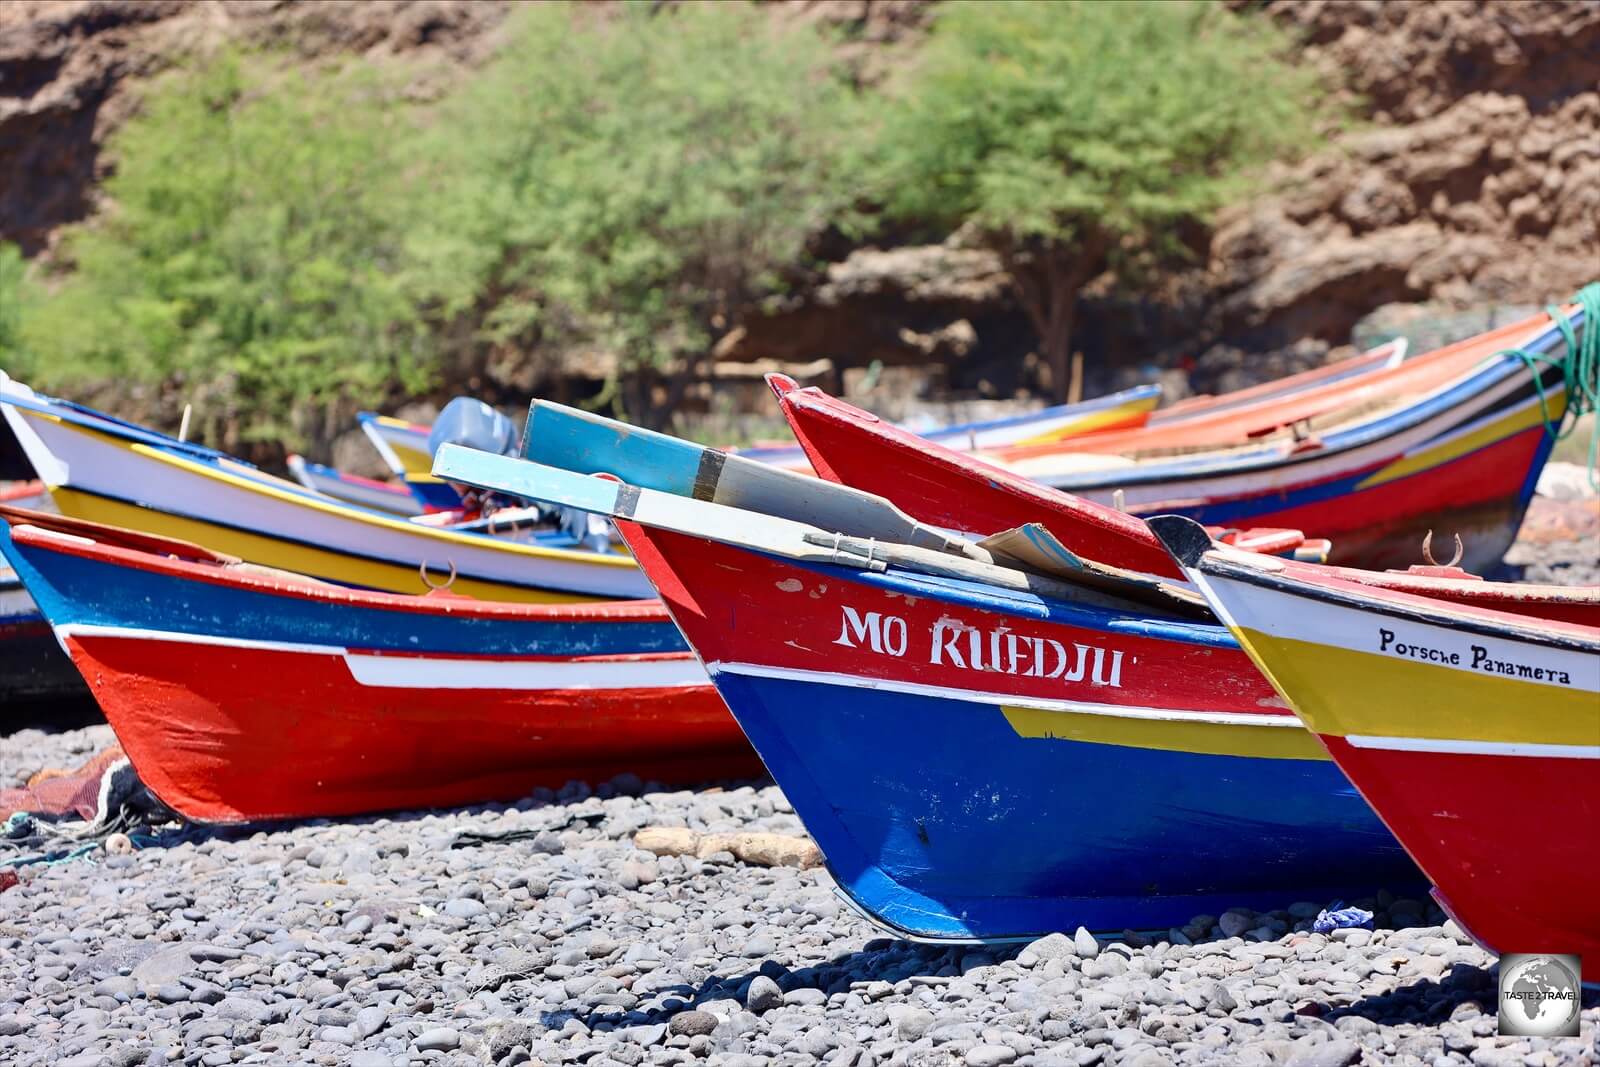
(473, 424)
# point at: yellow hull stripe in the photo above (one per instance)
(1110, 418)
(1202, 738)
(423, 535)
(291, 556)
(1513, 423)
(1339, 692)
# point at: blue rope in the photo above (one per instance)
(1580, 373)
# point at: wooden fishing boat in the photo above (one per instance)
(404, 448)
(403, 445)
(32, 666)
(1384, 357)
(1462, 457)
(353, 489)
(1128, 408)
(106, 470)
(981, 752)
(33, 669)
(242, 693)
(1474, 733)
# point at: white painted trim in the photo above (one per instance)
(1016, 700)
(444, 672)
(1243, 605)
(1475, 748)
(133, 633)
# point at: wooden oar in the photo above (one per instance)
(581, 441)
(771, 534)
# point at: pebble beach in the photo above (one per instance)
(540, 932)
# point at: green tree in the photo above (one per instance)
(623, 183)
(1074, 137)
(252, 254)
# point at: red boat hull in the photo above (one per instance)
(1459, 814)
(241, 734)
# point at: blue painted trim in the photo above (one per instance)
(70, 589)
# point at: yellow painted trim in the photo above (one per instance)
(1206, 738)
(1339, 692)
(413, 461)
(424, 534)
(1093, 421)
(290, 556)
(1513, 423)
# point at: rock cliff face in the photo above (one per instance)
(1474, 178)
(69, 74)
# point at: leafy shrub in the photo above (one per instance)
(622, 184)
(253, 253)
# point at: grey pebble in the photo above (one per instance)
(370, 1020)
(990, 1055)
(764, 994)
(438, 1039)
(1339, 1052)
(692, 1023)
(1085, 944)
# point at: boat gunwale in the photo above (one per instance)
(217, 572)
(1402, 604)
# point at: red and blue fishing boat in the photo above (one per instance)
(242, 693)
(1473, 731)
(1370, 463)
(982, 751)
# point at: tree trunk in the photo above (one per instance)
(1047, 285)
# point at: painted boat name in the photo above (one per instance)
(1001, 650)
(1481, 660)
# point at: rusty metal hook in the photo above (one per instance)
(422, 569)
(1427, 551)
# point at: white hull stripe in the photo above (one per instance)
(1475, 748)
(1010, 700)
(445, 672)
(136, 634)
(410, 672)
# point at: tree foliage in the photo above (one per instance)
(253, 252)
(622, 184)
(1074, 137)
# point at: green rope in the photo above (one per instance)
(1580, 373)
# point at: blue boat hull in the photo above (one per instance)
(943, 823)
